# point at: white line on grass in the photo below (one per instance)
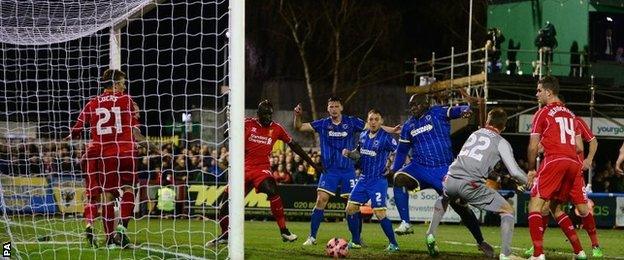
(47, 242)
(154, 250)
(180, 255)
(517, 248)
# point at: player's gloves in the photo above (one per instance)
(521, 188)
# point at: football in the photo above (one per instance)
(337, 248)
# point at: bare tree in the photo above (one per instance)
(349, 34)
(301, 28)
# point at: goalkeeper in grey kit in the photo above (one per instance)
(465, 180)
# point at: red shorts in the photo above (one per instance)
(555, 178)
(108, 174)
(256, 175)
(577, 195)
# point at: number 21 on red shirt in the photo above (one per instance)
(105, 115)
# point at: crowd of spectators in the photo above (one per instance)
(167, 163)
(181, 163)
(29, 157)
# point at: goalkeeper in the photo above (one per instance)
(465, 181)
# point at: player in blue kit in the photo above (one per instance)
(374, 146)
(336, 132)
(427, 133)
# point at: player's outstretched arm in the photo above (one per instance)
(620, 160)
(298, 125)
(298, 150)
(506, 153)
(393, 130)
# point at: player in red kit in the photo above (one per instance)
(578, 194)
(109, 161)
(260, 135)
(554, 128)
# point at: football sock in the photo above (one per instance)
(224, 224)
(568, 229)
(545, 221)
(361, 222)
(537, 232)
(127, 206)
(278, 211)
(224, 219)
(401, 201)
(507, 227)
(315, 223)
(91, 210)
(469, 219)
(438, 212)
(386, 226)
(589, 225)
(353, 221)
(109, 219)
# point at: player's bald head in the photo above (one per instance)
(265, 112)
(417, 99)
(418, 103)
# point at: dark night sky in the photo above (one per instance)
(417, 29)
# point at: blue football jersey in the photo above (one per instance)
(335, 137)
(374, 153)
(429, 136)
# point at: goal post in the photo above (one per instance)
(237, 139)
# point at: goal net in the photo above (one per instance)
(52, 55)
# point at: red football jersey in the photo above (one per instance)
(110, 119)
(586, 134)
(555, 124)
(259, 141)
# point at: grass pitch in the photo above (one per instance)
(57, 238)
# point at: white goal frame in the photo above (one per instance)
(236, 74)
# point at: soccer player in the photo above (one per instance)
(336, 132)
(109, 161)
(467, 174)
(374, 146)
(578, 195)
(427, 134)
(619, 161)
(553, 128)
(261, 133)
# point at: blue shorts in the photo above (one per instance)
(331, 178)
(427, 177)
(375, 190)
